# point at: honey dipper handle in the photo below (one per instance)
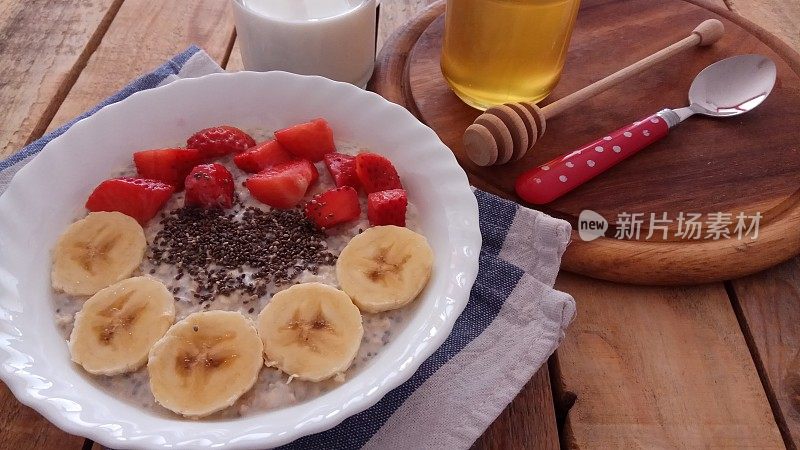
(708, 32)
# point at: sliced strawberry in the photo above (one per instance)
(220, 141)
(333, 207)
(387, 207)
(209, 186)
(343, 169)
(305, 167)
(170, 165)
(310, 140)
(376, 173)
(284, 185)
(263, 155)
(139, 198)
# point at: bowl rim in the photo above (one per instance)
(468, 240)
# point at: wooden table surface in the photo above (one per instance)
(716, 365)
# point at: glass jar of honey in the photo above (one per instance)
(501, 51)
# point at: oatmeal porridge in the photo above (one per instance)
(236, 259)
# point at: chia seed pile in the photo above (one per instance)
(215, 247)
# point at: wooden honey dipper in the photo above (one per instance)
(506, 132)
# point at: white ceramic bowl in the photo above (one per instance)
(48, 194)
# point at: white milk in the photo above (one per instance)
(331, 38)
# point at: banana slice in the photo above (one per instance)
(384, 267)
(311, 331)
(205, 363)
(97, 251)
(116, 327)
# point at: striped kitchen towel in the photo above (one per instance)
(513, 322)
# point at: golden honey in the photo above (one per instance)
(500, 51)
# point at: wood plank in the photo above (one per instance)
(659, 367)
(234, 63)
(43, 45)
(143, 35)
(769, 302)
(656, 384)
(780, 18)
(395, 13)
(769, 305)
(22, 428)
(528, 422)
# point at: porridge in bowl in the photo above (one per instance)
(241, 273)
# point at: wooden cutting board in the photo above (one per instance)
(747, 164)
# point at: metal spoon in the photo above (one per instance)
(726, 88)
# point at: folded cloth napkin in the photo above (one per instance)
(513, 322)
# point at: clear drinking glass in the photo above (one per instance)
(331, 38)
(501, 51)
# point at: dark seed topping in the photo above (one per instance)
(213, 248)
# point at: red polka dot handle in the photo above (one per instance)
(555, 178)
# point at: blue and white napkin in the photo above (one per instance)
(513, 322)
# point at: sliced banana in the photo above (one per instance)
(384, 267)
(118, 325)
(205, 363)
(97, 251)
(311, 331)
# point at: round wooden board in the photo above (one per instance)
(748, 164)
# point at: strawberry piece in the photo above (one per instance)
(343, 169)
(310, 140)
(305, 167)
(263, 155)
(209, 186)
(170, 165)
(387, 207)
(284, 185)
(333, 207)
(376, 173)
(139, 198)
(220, 141)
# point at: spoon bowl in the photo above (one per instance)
(732, 86)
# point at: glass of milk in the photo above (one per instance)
(331, 38)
